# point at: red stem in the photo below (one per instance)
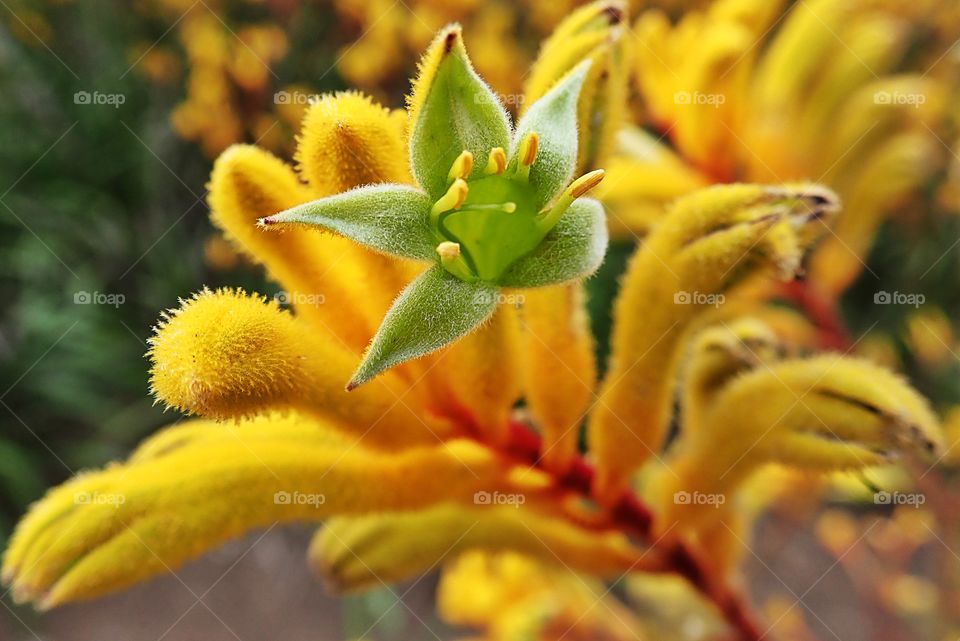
(631, 514)
(822, 312)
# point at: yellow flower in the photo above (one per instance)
(432, 462)
(854, 95)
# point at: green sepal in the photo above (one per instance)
(393, 219)
(554, 119)
(573, 249)
(433, 311)
(460, 112)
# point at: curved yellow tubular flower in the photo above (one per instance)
(708, 241)
(226, 354)
(598, 32)
(106, 530)
(269, 427)
(481, 374)
(346, 141)
(354, 553)
(315, 271)
(512, 597)
(717, 355)
(559, 368)
(820, 414)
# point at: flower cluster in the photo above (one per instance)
(425, 393)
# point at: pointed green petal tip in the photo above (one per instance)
(432, 312)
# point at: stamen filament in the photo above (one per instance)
(548, 218)
(453, 261)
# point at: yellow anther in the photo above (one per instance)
(462, 166)
(448, 251)
(454, 197)
(548, 218)
(509, 207)
(585, 183)
(497, 161)
(528, 148)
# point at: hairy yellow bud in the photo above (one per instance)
(717, 355)
(820, 414)
(361, 552)
(226, 354)
(709, 241)
(596, 32)
(481, 373)
(106, 530)
(559, 367)
(348, 140)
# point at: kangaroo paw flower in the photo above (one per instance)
(361, 552)
(106, 530)
(708, 242)
(516, 221)
(225, 355)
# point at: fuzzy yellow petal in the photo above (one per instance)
(480, 373)
(361, 552)
(559, 368)
(347, 140)
(106, 530)
(707, 242)
(226, 354)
